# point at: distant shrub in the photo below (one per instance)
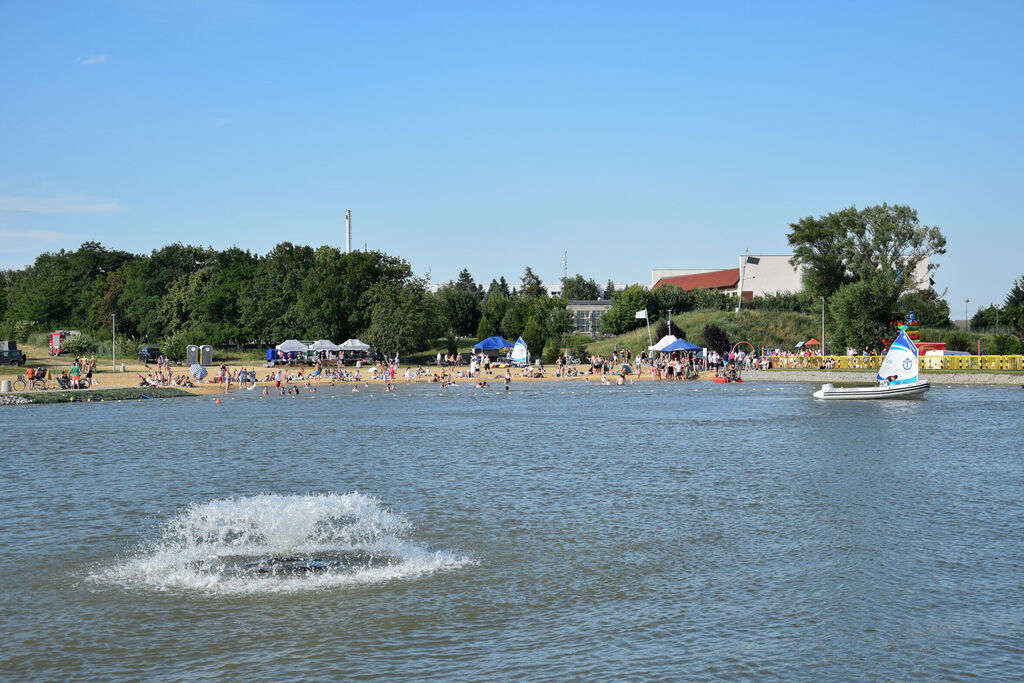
(664, 329)
(551, 352)
(22, 329)
(715, 338)
(958, 341)
(577, 345)
(1006, 345)
(80, 345)
(127, 347)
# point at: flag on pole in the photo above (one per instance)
(642, 314)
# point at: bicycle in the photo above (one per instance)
(21, 384)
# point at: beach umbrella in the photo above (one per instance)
(198, 371)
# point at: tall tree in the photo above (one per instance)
(622, 315)
(492, 312)
(928, 306)
(1014, 306)
(576, 288)
(401, 316)
(532, 285)
(872, 254)
(850, 245)
(458, 310)
(609, 290)
(269, 303)
(466, 283)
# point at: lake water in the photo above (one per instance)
(578, 531)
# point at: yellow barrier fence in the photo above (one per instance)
(951, 363)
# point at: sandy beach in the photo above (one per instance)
(130, 378)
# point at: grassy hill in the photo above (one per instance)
(757, 327)
(784, 330)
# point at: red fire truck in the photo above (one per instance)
(58, 341)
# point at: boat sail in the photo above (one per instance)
(520, 355)
(900, 362)
(897, 378)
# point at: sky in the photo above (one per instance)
(495, 136)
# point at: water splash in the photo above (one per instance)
(312, 541)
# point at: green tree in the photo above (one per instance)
(401, 317)
(715, 338)
(609, 290)
(533, 335)
(576, 288)
(669, 299)
(531, 284)
(621, 317)
(492, 312)
(987, 318)
(1014, 307)
(1006, 345)
(269, 303)
(877, 248)
(860, 315)
(458, 310)
(850, 245)
(929, 308)
(713, 300)
(466, 283)
(519, 312)
(144, 282)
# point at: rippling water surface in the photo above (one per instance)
(559, 531)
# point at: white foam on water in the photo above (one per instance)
(207, 546)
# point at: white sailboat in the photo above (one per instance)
(520, 356)
(897, 378)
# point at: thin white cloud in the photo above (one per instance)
(14, 204)
(32, 235)
(98, 59)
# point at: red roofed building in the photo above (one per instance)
(727, 281)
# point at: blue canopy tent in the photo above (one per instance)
(493, 343)
(681, 345)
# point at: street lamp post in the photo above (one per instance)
(967, 321)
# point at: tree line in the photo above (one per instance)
(858, 261)
(185, 294)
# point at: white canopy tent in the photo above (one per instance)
(291, 345)
(324, 345)
(354, 345)
(663, 342)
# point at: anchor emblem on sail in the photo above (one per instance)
(907, 363)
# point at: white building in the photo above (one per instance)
(754, 276)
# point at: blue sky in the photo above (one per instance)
(494, 136)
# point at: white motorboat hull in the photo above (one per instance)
(914, 390)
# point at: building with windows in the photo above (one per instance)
(754, 276)
(586, 316)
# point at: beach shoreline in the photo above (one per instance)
(129, 379)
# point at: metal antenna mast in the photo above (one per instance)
(348, 231)
(565, 265)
